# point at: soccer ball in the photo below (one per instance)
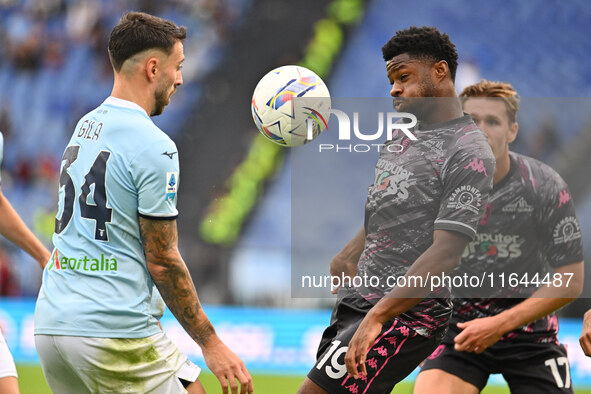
(285, 99)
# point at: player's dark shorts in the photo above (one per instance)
(530, 368)
(394, 355)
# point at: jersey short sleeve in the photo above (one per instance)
(467, 180)
(155, 172)
(562, 234)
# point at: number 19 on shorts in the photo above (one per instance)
(334, 369)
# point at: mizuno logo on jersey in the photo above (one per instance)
(170, 155)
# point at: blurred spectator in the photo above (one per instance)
(23, 172)
(81, 17)
(544, 141)
(8, 284)
(54, 55)
(27, 54)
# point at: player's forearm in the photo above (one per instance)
(346, 260)
(441, 257)
(353, 249)
(15, 230)
(546, 299)
(402, 298)
(528, 311)
(172, 278)
(174, 283)
(587, 322)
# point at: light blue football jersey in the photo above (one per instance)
(117, 166)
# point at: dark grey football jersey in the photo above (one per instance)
(439, 182)
(529, 226)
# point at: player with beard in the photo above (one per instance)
(97, 316)
(421, 212)
(529, 232)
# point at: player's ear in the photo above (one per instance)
(513, 129)
(439, 70)
(152, 67)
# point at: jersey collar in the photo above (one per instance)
(123, 103)
(509, 174)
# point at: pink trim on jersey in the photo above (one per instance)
(382, 246)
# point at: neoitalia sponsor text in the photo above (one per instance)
(84, 263)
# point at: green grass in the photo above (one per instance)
(31, 381)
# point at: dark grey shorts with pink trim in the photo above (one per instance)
(397, 351)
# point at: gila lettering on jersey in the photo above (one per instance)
(465, 197)
(90, 130)
(566, 230)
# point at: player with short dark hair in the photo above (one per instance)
(423, 42)
(420, 213)
(97, 316)
(137, 32)
(530, 233)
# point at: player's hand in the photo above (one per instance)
(363, 338)
(340, 268)
(227, 367)
(585, 339)
(477, 335)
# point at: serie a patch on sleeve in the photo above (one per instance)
(171, 185)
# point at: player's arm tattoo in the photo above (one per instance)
(172, 278)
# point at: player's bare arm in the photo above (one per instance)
(479, 334)
(345, 262)
(171, 276)
(585, 339)
(441, 257)
(16, 231)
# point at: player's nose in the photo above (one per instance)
(396, 90)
